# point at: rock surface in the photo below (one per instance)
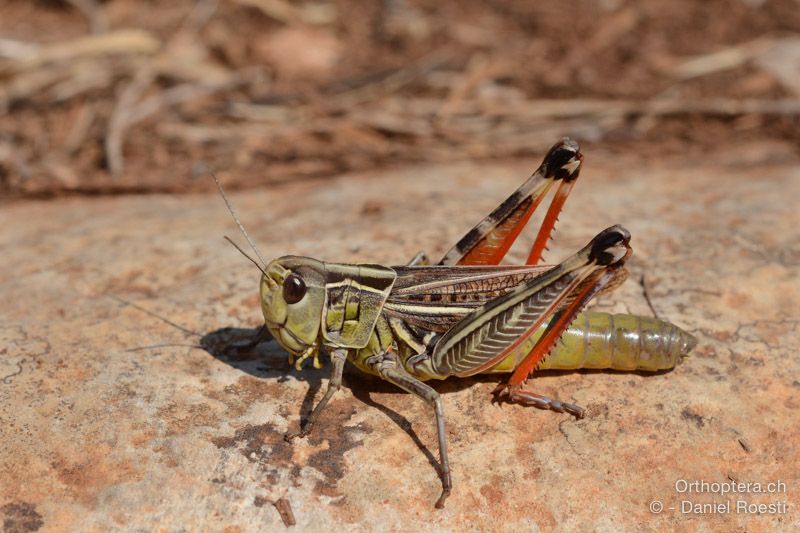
(124, 406)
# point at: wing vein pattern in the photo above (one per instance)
(487, 341)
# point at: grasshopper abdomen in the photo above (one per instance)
(607, 341)
(620, 342)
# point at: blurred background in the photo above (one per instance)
(127, 96)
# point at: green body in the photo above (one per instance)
(615, 342)
(594, 341)
(345, 308)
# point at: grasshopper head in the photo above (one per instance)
(292, 297)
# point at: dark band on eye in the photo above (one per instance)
(294, 288)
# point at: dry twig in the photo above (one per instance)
(119, 117)
(129, 112)
(285, 510)
(283, 11)
(94, 12)
(726, 59)
(118, 42)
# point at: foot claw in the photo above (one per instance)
(289, 437)
(442, 497)
(575, 410)
(500, 393)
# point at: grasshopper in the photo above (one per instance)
(468, 314)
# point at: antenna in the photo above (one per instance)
(244, 254)
(239, 223)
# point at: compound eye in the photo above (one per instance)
(294, 288)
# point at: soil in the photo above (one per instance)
(127, 402)
(263, 93)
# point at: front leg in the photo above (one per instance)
(338, 356)
(389, 368)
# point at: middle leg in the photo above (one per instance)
(390, 369)
(421, 259)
